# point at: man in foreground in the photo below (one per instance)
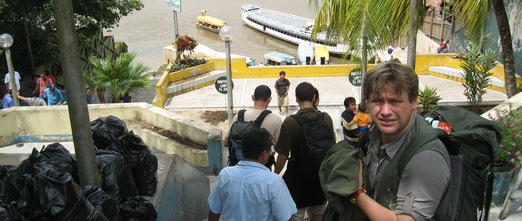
(249, 191)
(392, 92)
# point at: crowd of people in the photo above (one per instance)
(386, 121)
(43, 91)
(44, 87)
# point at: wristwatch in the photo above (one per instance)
(353, 198)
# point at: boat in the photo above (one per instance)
(292, 28)
(312, 54)
(305, 53)
(321, 55)
(275, 58)
(209, 23)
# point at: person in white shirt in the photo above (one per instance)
(7, 80)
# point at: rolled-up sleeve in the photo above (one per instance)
(422, 185)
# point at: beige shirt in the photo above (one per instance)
(272, 122)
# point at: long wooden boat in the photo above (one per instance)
(209, 23)
(292, 28)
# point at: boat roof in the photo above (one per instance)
(278, 56)
(211, 20)
(281, 20)
(321, 51)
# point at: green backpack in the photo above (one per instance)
(472, 144)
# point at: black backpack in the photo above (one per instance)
(237, 131)
(472, 145)
(317, 138)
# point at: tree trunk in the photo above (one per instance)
(77, 102)
(28, 41)
(412, 33)
(506, 43)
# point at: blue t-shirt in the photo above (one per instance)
(249, 191)
(54, 98)
(7, 102)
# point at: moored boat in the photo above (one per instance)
(275, 58)
(321, 55)
(209, 23)
(288, 27)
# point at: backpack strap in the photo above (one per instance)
(423, 137)
(259, 120)
(302, 119)
(241, 116)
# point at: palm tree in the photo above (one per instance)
(381, 22)
(121, 77)
(474, 15)
(384, 21)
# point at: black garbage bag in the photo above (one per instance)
(145, 175)
(8, 189)
(60, 158)
(15, 181)
(143, 164)
(64, 200)
(103, 202)
(116, 175)
(138, 209)
(106, 131)
(29, 204)
(4, 213)
(133, 148)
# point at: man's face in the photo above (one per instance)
(391, 112)
(282, 76)
(352, 107)
(43, 76)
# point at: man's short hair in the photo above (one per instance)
(282, 73)
(262, 92)
(348, 101)
(394, 76)
(304, 92)
(255, 142)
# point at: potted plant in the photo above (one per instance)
(185, 46)
(509, 159)
(510, 149)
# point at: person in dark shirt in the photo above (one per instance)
(282, 86)
(350, 132)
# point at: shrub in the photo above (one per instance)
(510, 149)
(428, 98)
(183, 64)
(477, 66)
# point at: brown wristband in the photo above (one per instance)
(353, 198)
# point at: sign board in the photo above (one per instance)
(355, 77)
(174, 5)
(221, 85)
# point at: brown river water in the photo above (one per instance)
(148, 31)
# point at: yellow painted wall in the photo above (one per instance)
(240, 70)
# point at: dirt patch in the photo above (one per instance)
(214, 117)
(170, 134)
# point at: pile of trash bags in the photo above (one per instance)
(46, 185)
